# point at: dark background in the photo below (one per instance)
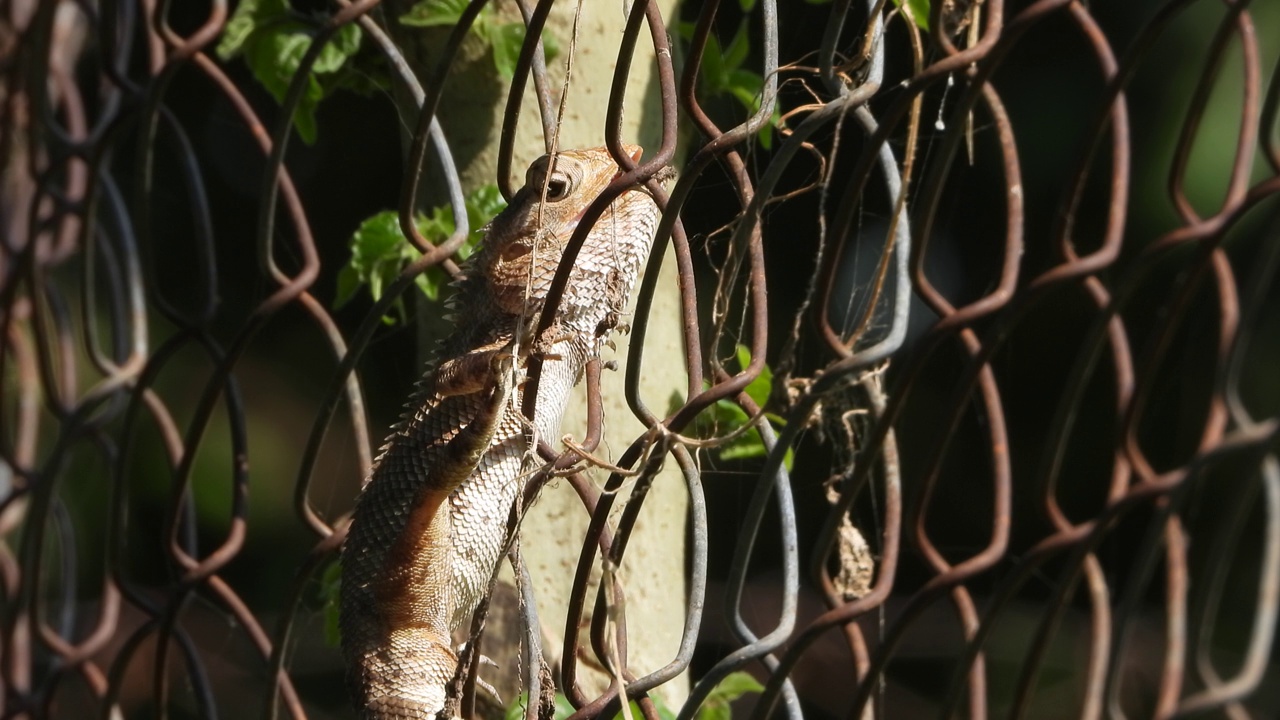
(1052, 93)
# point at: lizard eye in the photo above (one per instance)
(558, 183)
(558, 187)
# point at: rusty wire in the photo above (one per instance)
(1139, 570)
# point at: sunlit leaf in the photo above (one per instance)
(380, 251)
(726, 416)
(273, 42)
(249, 15)
(428, 13)
(759, 388)
(506, 40)
(274, 56)
(550, 46)
(732, 687)
(344, 43)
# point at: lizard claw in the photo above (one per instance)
(480, 683)
(502, 362)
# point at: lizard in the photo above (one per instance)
(430, 525)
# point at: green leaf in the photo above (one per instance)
(766, 136)
(734, 686)
(249, 17)
(919, 12)
(379, 251)
(330, 587)
(348, 283)
(273, 42)
(751, 446)
(434, 12)
(483, 204)
(743, 447)
(344, 43)
(713, 72)
(736, 53)
(377, 255)
(506, 40)
(664, 713)
(766, 130)
(377, 238)
(722, 72)
(762, 386)
(550, 47)
(725, 416)
(240, 26)
(674, 402)
(747, 87)
(368, 78)
(431, 282)
(274, 56)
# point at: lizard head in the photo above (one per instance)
(525, 243)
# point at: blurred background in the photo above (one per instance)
(174, 511)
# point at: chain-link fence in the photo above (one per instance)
(1002, 278)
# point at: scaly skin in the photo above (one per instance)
(414, 568)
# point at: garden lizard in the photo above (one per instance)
(431, 524)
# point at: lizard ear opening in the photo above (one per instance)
(536, 172)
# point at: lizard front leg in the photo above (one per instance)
(397, 612)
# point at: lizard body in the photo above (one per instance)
(431, 524)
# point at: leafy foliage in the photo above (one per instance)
(715, 707)
(725, 416)
(273, 38)
(722, 73)
(379, 251)
(504, 39)
(919, 11)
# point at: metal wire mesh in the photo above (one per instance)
(1060, 499)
